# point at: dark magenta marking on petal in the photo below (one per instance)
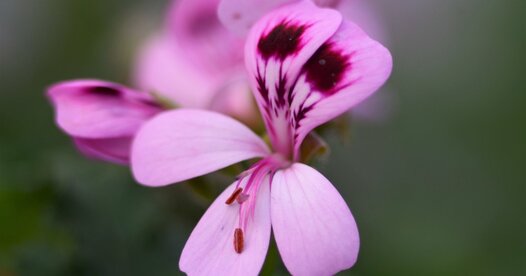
(104, 91)
(325, 69)
(301, 114)
(262, 87)
(281, 89)
(282, 41)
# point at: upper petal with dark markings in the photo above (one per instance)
(308, 67)
(276, 49)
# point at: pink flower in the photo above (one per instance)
(101, 117)
(306, 66)
(196, 62)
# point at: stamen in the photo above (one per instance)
(238, 240)
(234, 196)
(242, 198)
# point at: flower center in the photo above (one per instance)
(245, 193)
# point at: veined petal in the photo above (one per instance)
(115, 150)
(210, 248)
(277, 47)
(185, 143)
(98, 109)
(345, 70)
(314, 229)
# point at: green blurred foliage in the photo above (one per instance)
(437, 189)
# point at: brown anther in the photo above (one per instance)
(238, 240)
(242, 198)
(234, 196)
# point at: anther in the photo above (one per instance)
(234, 196)
(238, 240)
(242, 198)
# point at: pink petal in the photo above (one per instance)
(182, 144)
(196, 62)
(98, 109)
(163, 68)
(235, 99)
(276, 49)
(239, 15)
(210, 250)
(314, 229)
(329, 3)
(201, 36)
(347, 69)
(115, 150)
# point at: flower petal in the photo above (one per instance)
(239, 15)
(210, 249)
(276, 49)
(163, 68)
(185, 143)
(345, 70)
(314, 229)
(202, 38)
(98, 109)
(235, 99)
(115, 150)
(328, 3)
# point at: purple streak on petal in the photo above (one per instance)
(104, 91)
(324, 70)
(262, 88)
(282, 41)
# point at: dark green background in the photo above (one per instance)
(437, 189)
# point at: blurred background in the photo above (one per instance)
(437, 184)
